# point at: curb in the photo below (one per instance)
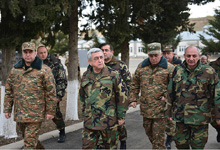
(55, 133)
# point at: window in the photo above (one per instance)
(140, 49)
(182, 48)
(130, 48)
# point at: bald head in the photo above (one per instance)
(192, 48)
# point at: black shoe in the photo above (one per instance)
(123, 145)
(62, 136)
(22, 147)
(218, 137)
(168, 142)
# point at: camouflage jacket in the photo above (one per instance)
(216, 65)
(31, 91)
(122, 68)
(104, 99)
(152, 83)
(59, 74)
(192, 94)
(176, 61)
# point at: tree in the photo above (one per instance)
(214, 30)
(166, 25)
(22, 21)
(61, 43)
(122, 21)
(117, 21)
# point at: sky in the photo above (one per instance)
(203, 10)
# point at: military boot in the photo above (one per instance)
(123, 145)
(168, 141)
(218, 137)
(62, 136)
(40, 146)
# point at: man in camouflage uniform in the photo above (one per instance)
(208, 56)
(61, 84)
(203, 59)
(122, 68)
(216, 65)
(192, 92)
(103, 94)
(170, 130)
(30, 87)
(169, 55)
(151, 78)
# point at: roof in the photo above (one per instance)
(187, 36)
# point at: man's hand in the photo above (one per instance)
(170, 118)
(218, 121)
(120, 122)
(7, 115)
(162, 98)
(58, 100)
(49, 117)
(133, 104)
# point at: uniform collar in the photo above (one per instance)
(37, 63)
(163, 63)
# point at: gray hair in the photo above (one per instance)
(203, 56)
(93, 50)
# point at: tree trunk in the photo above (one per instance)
(73, 83)
(8, 60)
(7, 126)
(125, 52)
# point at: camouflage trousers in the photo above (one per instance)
(109, 137)
(122, 131)
(171, 127)
(155, 130)
(58, 118)
(30, 132)
(195, 136)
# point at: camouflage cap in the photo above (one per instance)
(28, 45)
(168, 48)
(154, 48)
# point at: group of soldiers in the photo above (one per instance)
(177, 99)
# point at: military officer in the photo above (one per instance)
(216, 65)
(103, 94)
(30, 87)
(192, 92)
(169, 55)
(122, 68)
(170, 130)
(204, 59)
(151, 79)
(61, 84)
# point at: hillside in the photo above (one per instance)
(200, 22)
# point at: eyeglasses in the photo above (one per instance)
(105, 50)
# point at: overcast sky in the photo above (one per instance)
(204, 10)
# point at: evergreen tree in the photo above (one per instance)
(22, 21)
(152, 20)
(214, 30)
(165, 26)
(61, 44)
